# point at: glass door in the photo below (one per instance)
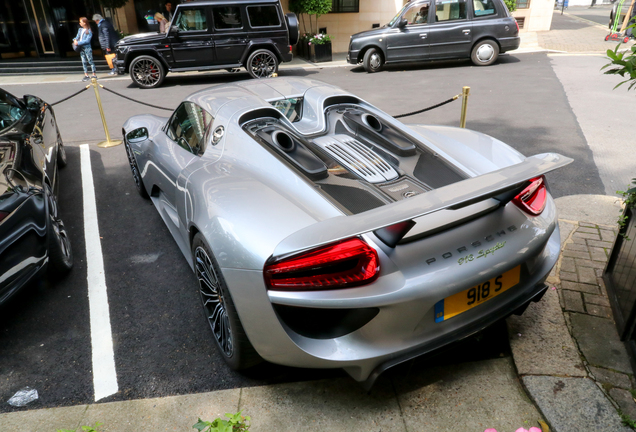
(41, 25)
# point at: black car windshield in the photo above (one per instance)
(395, 18)
(10, 110)
(291, 108)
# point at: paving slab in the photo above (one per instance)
(574, 404)
(625, 401)
(600, 209)
(540, 341)
(613, 378)
(174, 413)
(43, 420)
(598, 341)
(325, 405)
(471, 397)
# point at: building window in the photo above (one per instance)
(523, 4)
(342, 6)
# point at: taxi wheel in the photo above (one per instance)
(485, 52)
(372, 60)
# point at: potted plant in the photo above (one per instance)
(310, 8)
(320, 48)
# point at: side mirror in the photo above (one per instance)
(174, 30)
(137, 135)
(31, 102)
(402, 23)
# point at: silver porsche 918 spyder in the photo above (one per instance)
(326, 234)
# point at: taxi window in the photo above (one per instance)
(484, 8)
(450, 10)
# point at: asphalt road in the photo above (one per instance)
(162, 343)
(598, 14)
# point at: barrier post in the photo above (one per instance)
(108, 142)
(465, 93)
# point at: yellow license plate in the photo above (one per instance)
(468, 299)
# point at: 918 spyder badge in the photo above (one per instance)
(481, 254)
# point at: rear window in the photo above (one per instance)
(263, 16)
(227, 17)
(484, 8)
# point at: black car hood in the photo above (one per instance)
(142, 38)
(373, 32)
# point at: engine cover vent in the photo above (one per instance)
(358, 158)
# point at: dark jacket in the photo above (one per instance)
(108, 37)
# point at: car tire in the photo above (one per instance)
(262, 63)
(61, 156)
(132, 161)
(147, 72)
(485, 52)
(59, 246)
(372, 60)
(219, 310)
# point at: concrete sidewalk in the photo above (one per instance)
(577, 383)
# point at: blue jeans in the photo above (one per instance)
(86, 54)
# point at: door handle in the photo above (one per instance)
(423, 35)
(467, 31)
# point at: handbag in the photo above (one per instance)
(109, 60)
(76, 48)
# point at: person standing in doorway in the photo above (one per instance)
(167, 11)
(83, 41)
(107, 37)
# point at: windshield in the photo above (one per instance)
(395, 18)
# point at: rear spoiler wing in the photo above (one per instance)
(453, 196)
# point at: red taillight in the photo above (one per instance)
(3, 215)
(290, 49)
(533, 198)
(347, 263)
(517, 26)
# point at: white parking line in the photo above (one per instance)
(104, 374)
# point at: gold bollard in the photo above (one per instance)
(465, 93)
(108, 142)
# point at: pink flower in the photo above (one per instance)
(532, 429)
(490, 430)
(309, 43)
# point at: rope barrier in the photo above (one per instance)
(71, 96)
(133, 100)
(429, 108)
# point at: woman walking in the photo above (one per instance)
(83, 41)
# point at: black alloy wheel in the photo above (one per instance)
(262, 63)
(147, 72)
(59, 245)
(220, 312)
(139, 183)
(372, 60)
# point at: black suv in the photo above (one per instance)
(208, 35)
(438, 29)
